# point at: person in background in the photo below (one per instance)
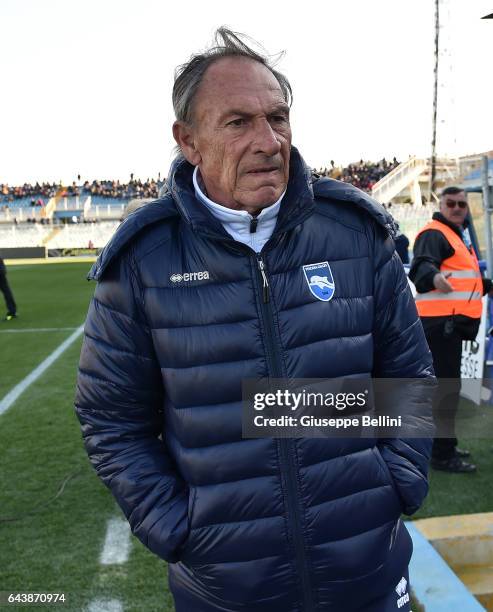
(402, 245)
(7, 293)
(449, 286)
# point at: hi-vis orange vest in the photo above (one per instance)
(465, 279)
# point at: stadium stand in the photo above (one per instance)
(26, 235)
(79, 236)
(362, 174)
(116, 190)
(411, 218)
(27, 191)
(57, 237)
(477, 172)
(24, 203)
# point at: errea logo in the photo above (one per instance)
(189, 276)
(401, 589)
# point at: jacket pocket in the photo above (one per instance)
(386, 474)
(192, 496)
(355, 593)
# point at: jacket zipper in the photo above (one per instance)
(286, 444)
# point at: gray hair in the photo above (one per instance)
(188, 76)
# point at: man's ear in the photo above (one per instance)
(183, 134)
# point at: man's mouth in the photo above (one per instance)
(264, 170)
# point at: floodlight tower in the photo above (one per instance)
(444, 136)
(435, 100)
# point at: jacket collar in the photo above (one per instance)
(137, 221)
(439, 217)
(332, 189)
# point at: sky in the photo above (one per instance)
(86, 85)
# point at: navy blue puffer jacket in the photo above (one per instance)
(284, 525)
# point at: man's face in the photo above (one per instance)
(454, 207)
(240, 136)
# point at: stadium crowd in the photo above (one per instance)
(114, 189)
(106, 189)
(362, 174)
(37, 191)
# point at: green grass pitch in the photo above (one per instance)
(55, 546)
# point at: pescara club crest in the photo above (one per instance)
(320, 280)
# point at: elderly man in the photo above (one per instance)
(446, 273)
(209, 286)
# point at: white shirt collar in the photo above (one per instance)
(237, 222)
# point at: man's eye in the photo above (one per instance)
(237, 122)
(279, 118)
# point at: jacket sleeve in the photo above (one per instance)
(401, 351)
(119, 406)
(430, 249)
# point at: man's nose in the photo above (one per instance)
(266, 140)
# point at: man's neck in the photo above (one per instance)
(200, 183)
(240, 224)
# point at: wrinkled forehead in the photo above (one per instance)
(233, 81)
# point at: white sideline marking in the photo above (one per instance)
(36, 329)
(115, 551)
(14, 393)
(105, 605)
(116, 547)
